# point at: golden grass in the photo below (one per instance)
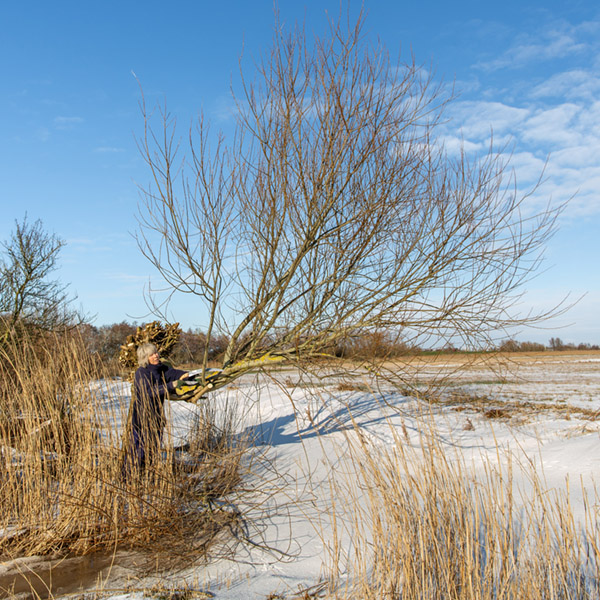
(425, 526)
(496, 408)
(62, 483)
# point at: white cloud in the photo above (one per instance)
(478, 119)
(575, 84)
(577, 157)
(108, 150)
(553, 126)
(558, 120)
(454, 145)
(590, 119)
(565, 135)
(554, 41)
(67, 122)
(527, 166)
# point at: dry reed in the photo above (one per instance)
(425, 526)
(63, 486)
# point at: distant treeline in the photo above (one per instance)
(554, 344)
(106, 340)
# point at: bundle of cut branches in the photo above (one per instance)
(164, 337)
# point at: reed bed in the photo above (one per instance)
(424, 526)
(63, 484)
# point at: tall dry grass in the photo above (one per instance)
(63, 487)
(425, 526)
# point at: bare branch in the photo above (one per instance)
(336, 210)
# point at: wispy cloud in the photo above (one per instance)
(552, 41)
(225, 109)
(96, 245)
(43, 134)
(575, 84)
(566, 136)
(551, 127)
(67, 122)
(477, 119)
(454, 145)
(128, 277)
(557, 126)
(108, 150)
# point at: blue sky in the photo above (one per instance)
(69, 115)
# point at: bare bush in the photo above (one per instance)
(531, 347)
(376, 344)
(515, 346)
(29, 299)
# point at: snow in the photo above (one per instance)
(302, 433)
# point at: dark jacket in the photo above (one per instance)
(152, 385)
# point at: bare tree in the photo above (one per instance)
(28, 297)
(336, 211)
(556, 343)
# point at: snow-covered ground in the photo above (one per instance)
(302, 426)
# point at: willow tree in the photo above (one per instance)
(335, 210)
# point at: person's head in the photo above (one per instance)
(147, 353)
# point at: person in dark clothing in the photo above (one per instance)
(153, 381)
